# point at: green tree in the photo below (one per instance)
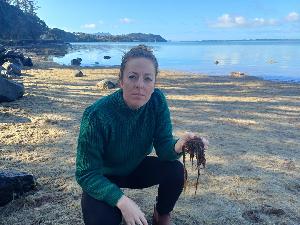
(27, 6)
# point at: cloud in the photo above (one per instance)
(101, 22)
(126, 20)
(228, 21)
(264, 22)
(89, 26)
(292, 17)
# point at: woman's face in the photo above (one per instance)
(138, 82)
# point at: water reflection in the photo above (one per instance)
(264, 59)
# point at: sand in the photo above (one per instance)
(253, 161)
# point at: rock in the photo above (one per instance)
(14, 54)
(15, 61)
(105, 84)
(14, 57)
(27, 62)
(4, 74)
(12, 69)
(13, 184)
(78, 73)
(2, 49)
(76, 62)
(10, 90)
(237, 74)
(107, 57)
(217, 62)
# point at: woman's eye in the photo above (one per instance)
(148, 79)
(131, 76)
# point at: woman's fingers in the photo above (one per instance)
(143, 221)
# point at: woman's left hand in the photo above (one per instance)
(186, 137)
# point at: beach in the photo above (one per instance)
(253, 161)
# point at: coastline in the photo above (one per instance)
(253, 161)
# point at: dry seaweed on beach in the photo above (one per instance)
(194, 147)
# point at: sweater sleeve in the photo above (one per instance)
(89, 162)
(164, 142)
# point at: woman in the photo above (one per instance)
(117, 134)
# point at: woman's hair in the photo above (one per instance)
(140, 51)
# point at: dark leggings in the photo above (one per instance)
(151, 171)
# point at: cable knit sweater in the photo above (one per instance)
(114, 139)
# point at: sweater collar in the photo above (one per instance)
(124, 107)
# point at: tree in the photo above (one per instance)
(15, 24)
(27, 6)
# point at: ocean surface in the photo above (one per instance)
(267, 59)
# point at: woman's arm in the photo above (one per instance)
(163, 141)
(89, 161)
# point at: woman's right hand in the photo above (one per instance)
(131, 213)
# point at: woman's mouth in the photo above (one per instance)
(138, 94)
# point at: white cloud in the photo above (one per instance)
(89, 26)
(293, 16)
(263, 22)
(239, 20)
(126, 20)
(225, 21)
(228, 21)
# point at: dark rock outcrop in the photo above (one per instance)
(107, 57)
(27, 62)
(76, 62)
(15, 57)
(10, 90)
(12, 69)
(13, 184)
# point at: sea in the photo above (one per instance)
(277, 60)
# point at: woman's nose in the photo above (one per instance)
(140, 83)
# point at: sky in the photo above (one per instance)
(174, 20)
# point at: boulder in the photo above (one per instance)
(12, 68)
(3, 72)
(15, 61)
(10, 90)
(76, 62)
(13, 184)
(15, 57)
(78, 73)
(2, 49)
(14, 54)
(237, 74)
(27, 62)
(107, 57)
(105, 84)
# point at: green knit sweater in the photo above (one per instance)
(114, 139)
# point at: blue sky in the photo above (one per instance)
(177, 20)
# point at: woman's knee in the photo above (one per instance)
(97, 212)
(175, 172)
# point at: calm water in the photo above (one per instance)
(273, 60)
